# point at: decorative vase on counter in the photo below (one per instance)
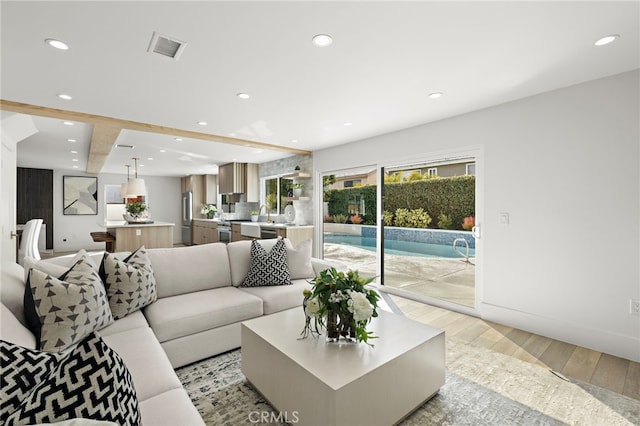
(297, 192)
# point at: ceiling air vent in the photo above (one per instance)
(166, 46)
(124, 146)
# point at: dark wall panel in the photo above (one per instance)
(35, 198)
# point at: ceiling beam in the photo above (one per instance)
(102, 140)
(107, 129)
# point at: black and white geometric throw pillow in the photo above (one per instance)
(22, 370)
(62, 311)
(90, 382)
(130, 283)
(268, 268)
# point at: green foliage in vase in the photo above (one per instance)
(344, 295)
(136, 207)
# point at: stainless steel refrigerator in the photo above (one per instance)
(187, 215)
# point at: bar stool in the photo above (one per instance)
(104, 237)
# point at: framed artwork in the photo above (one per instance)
(80, 195)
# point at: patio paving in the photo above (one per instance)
(452, 280)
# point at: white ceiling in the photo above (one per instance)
(385, 59)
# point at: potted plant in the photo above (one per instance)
(137, 211)
(342, 304)
(297, 189)
(254, 216)
(208, 210)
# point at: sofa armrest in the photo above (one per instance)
(320, 265)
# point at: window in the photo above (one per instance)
(274, 191)
(432, 171)
(352, 183)
(471, 168)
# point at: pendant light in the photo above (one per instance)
(124, 188)
(136, 186)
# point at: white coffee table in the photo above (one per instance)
(313, 382)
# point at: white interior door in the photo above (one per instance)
(8, 190)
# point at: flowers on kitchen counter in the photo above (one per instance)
(208, 210)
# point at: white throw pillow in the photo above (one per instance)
(299, 260)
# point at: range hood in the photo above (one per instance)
(232, 178)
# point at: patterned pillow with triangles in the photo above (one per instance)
(130, 283)
(62, 311)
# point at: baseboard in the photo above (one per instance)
(599, 340)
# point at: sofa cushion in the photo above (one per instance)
(12, 294)
(59, 266)
(297, 261)
(130, 283)
(279, 298)
(185, 314)
(131, 321)
(148, 364)
(90, 381)
(268, 268)
(62, 311)
(22, 370)
(14, 331)
(181, 270)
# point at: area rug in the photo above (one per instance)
(482, 388)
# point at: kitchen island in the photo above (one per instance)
(128, 237)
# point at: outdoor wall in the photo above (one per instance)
(564, 165)
(164, 203)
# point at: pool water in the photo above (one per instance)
(401, 248)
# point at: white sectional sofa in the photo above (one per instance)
(197, 315)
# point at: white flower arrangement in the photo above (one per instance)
(340, 303)
(208, 209)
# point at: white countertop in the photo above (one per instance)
(124, 224)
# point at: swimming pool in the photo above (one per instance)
(401, 248)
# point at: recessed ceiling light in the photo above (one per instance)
(607, 39)
(347, 124)
(75, 167)
(71, 140)
(68, 123)
(179, 139)
(57, 44)
(322, 40)
(243, 95)
(74, 159)
(202, 123)
(64, 96)
(163, 150)
(294, 140)
(74, 152)
(150, 158)
(435, 95)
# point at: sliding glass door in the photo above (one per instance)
(427, 218)
(410, 225)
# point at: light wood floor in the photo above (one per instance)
(607, 371)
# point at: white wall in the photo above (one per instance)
(72, 232)
(564, 165)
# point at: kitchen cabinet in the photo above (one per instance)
(131, 237)
(204, 231)
(211, 189)
(240, 178)
(231, 178)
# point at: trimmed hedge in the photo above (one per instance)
(452, 196)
